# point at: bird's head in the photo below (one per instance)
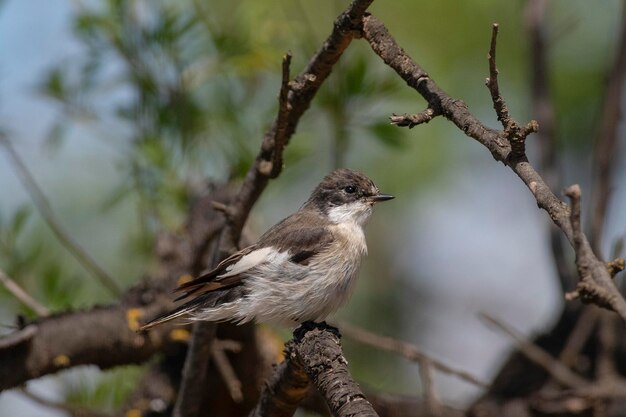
(345, 195)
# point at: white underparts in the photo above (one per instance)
(280, 291)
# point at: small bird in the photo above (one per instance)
(302, 269)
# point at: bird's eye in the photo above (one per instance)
(350, 189)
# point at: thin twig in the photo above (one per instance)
(433, 404)
(502, 111)
(226, 370)
(45, 209)
(515, 133)
(404, 349)
(319, 351)
(596, 284)
(578, 337)
(25, 298)
(606, 368)
(280, 136)
(534, 353)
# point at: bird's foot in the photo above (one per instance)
(299, 332)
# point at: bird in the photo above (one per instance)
(301, 270)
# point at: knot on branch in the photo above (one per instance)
(615, 266)
(590, 293)
(412, 120)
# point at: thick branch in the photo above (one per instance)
(187, 403)
(319, 351)
(104, 336)
(315, 352)
(285, 390)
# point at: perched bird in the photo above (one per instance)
(302, 269)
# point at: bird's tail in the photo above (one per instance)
(170, 315)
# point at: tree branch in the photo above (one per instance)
(405, 350)
(552, 366)
(106, 336)
(286, 388)
(596, 284)
(319, 351)
(506, 147)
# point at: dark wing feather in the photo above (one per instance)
(303, 234)
(210, 281)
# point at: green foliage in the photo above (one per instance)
(107, 392)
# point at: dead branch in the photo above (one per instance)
(286, 388)
(506, 147)
(552, 366)
(224, 367)
(596, 284)
(105, 336)
(187, 400)
(319, 350)
(404, 349)
(314, 351)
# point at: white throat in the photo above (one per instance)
(356, 212)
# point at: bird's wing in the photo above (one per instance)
(302, 235)
(221, 276)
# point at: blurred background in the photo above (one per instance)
(121, 108)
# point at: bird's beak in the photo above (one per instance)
(381, 197)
